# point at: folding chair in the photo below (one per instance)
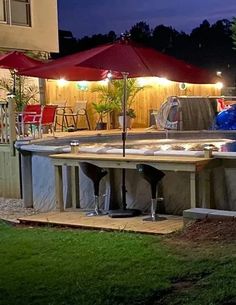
(30, 116)
(36, 121)
(48, 119)
(61, 109)
(80, 109)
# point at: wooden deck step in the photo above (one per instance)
(79, 220)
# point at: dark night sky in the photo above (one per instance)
(88, 17)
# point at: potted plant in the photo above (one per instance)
(102, 108)
(132, 90)
(105, 104)
(112, 97)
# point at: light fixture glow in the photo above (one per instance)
(109, 75)
(182, 86)
(62, 82)
(219, 85)
(162, 81)
(142, 81)
(104, 82)
(82, 85)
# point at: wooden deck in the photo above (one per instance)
(78, 219)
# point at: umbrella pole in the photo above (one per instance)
(125, 76)
(124, 212)
(14, 82)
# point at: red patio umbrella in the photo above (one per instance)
(17, 61)
(66, 67)
(139, 61)
(124, 59)
(133, 60)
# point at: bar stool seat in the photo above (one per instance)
(152, 176)
(95, 174)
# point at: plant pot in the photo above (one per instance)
(101, 126)
(128, 121)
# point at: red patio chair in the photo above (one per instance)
(43, 116)
(48, 118)
(30, 116)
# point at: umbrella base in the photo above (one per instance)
(96, 213)
(123, 213)
(155, 218)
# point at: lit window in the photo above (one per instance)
(15, 12)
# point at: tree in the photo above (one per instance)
(163, 38)
(141, 32)
(233, 29)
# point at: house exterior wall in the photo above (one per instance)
(42, 35)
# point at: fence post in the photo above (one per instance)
(12, 122)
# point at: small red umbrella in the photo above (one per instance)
(17, 61)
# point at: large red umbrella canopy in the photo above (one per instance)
(66, 67)
(140, 61)
(121, 56)
(17, 61)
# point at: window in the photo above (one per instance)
(15, 12)
(2, 11)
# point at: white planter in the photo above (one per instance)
(128, 121)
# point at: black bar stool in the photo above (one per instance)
(95, 174)
(152, 176)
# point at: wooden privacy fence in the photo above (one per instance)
(150, 98)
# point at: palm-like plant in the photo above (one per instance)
(23, 93)
(112, 95)
(102, 108)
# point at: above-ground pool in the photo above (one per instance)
(162, 146)
(174, 189)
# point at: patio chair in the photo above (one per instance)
(61, 109)
(80, 109)
(37, 121)
(152, 176)
(95, 174)
(28, 117)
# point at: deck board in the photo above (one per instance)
(79, 220)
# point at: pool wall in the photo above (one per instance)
(175, 188)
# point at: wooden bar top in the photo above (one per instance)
(132, 158)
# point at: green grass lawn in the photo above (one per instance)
(50, 266)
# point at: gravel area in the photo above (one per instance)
(12, 209)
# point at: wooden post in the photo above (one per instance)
(12, 122)
(59, 187)
(193, 190)
(26, 176)
(75, 187)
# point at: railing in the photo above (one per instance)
(8, 123)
